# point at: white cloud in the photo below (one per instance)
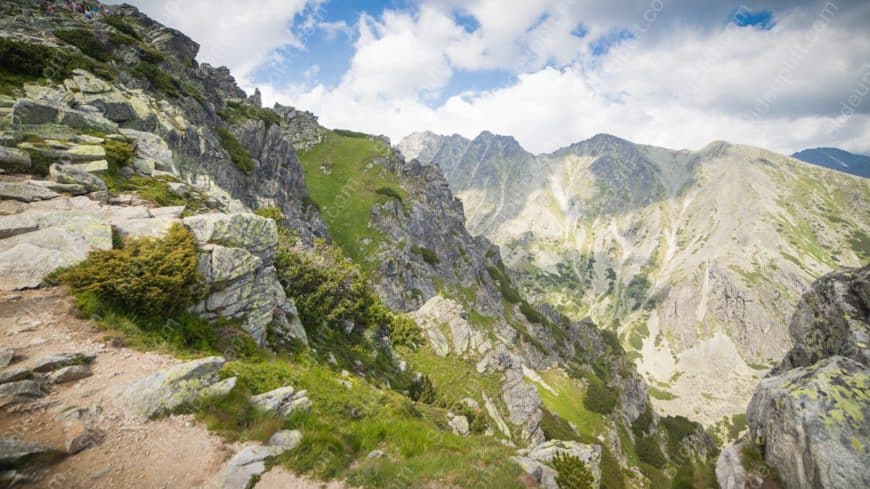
(684, 81)
(240, 35)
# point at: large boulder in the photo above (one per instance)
(14, 159)
(28, 112)
(832, 318)
(256, 234)
(812, 424)
(174, 387)
(245, 467)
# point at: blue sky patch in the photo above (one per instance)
(763, 19)
(602, 45)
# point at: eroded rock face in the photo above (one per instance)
(832, 318)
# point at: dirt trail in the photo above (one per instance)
(171, 452)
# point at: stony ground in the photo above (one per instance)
(169, 452)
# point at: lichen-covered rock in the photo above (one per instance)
(172, 388)
(439, 312)
(283, 401)
(70, 174)
(812, 424)
(537, 461)
(150, 149)
(61, 239)
(245, 466)
(27, 112)
(256, 234)
(286, 439)
(832, 318)
(14, 159)
(25, 192)
(459, 425)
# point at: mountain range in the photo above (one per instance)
(694, 258)
(836, 159)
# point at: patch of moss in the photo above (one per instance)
(85, 41)
(428, 255)
(236, 113)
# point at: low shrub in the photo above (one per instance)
(389, 192)
(122, 25)
(640, 426)
(648, 451)
(571, 472)
(508, 293)
(160, 80)
(240, 156)
(599, 398)
(404, 331)
(428, 255)
(531, 313)
(556, 428)
(147, 276)
(422, 390)
(678, 427)
(85, 41)
(118, 153)
(238, 112)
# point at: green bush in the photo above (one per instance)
(556, 428)
(122, 25)
(684, 478)
(147, 276)
(571, 472)
(389, 192)
(273, 213)
(679, 427)
(22, 61)
(648, 451)
(118, 153)
(159, 79)
(656, 477)
(238, 112)
(85, 41)
(611, 472)
(599, 398)
(422, 390)
(531, 313)
(404, 331)
(428, 255)
(509, 293)
(351, 134)
(240, 156)
(640, 426)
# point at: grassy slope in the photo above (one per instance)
(567, 402)
(344, 184)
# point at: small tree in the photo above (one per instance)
(571, 472)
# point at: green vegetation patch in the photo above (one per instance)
(122, 24)
(85, 41)
(343, 181)
(426, 254)
(22, 62)
(571, 472)
(236, 113)
(567, 400)
(238, 153)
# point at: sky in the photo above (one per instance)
(784, 75)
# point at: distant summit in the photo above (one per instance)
(836, 159)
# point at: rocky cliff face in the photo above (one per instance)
(691, 256)
(808, 416)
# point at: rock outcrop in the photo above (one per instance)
(808, 417)
(536, 461)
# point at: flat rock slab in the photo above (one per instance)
(19, 392)
(173, 387)
(25, 192)
(70, 373)
(14, 159)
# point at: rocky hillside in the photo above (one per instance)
(693, 257)
(807, 418)
(332, 304)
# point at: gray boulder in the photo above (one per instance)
(283, 401)
(172, 388)
(14, 159)
(459, 425)
(811, 424)
(25, 192)
(286, 439)
(19, 392)
(54, 362)
(14, 451)
(6, 356)
(151, 151)
(245, 466)
(71, 373)
(69, 174)
(13, 374)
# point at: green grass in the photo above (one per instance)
(344, 425)
(661, 394)
(122, 25)
(85, 41)
(454, 378)
(567, 402)
(236, 113)
(238, 153)
(426, 254)
(344, 184)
